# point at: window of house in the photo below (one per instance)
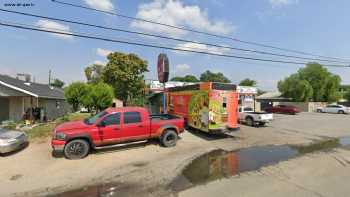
(113, 119)
(132, 117)
(57, 104)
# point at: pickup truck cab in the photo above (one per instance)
(248, 116)
(114, 126)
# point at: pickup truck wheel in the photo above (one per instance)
(76, 149)
(249, 121)
(169, 138)
(319, 110)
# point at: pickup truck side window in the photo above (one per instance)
(132, 117)
(113, 119)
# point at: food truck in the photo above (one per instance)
(210, 107)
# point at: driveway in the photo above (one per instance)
(148, 169)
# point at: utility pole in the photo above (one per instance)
(50, 77)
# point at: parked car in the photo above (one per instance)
(334, 108)
(11, 140)
(250, 117)
(283, 109)
(114, 126)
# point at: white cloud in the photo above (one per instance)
(182, 68)
(201, 47)
(278, 3)
(8, 71)
(99, 62)
(175, 13)
(103, 52)
(51, 25)
(105, 5)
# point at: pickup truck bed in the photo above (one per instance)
(252, 118)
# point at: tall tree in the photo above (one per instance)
(57, 83)
(347, 95)
(99, 96)
(93, 73)
(75, 93)
(187, 78)
(314, 82)
(209, 76)
(247, 82)
(124, 72)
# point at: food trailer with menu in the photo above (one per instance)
(210, 107)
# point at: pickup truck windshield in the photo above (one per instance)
(93, 119)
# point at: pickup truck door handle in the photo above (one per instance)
(140, 126)
(116, 129)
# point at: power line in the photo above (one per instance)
(167, 37)
(197, 31)
(154, 46)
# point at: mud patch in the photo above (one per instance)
(16, 177)
(140, 164)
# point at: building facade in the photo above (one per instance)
(26, 100)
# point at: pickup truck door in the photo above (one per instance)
(135, 126)
(110, 131)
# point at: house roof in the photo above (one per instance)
(270, 95)
(32, 89)
(277, 96)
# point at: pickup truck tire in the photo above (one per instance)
(76, 149)
(319, 110)
(169, 138)
(249, 121)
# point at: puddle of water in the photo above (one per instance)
(102, 190)
(345, 141)
(217, 164)
(220, 164)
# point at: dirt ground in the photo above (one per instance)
(148, 169)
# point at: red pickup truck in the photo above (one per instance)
(114, 126)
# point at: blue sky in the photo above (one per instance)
(317, 26)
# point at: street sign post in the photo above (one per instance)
(163, 74)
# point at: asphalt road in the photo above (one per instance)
(148, 169)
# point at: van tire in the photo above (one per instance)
(169, 138)
(76, 149)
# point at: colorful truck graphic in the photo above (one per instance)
(209, 107)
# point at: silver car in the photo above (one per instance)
(12, 140)
(335, 109)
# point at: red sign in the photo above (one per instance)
(163, 68)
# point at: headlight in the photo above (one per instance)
(3, 142)
(60, 136)
(6, 141)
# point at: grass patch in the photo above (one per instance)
(46, 129)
